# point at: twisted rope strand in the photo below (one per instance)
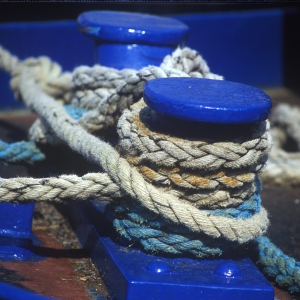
(20, 152)
(64, 187)
(283, 268)
(128, 178)
(120, 176)
(106, 92)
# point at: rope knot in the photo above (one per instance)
(47, 73)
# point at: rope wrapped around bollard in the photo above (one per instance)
(195, 197)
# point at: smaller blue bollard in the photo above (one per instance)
(16, 238)
(131, 40)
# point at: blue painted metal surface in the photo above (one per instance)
(132, 40)
(59, 40)
(9, 292)
(207, 100)
(27, 40)
(16, 237)
(131, 274)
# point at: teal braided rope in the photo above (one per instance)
(157, 236)
(276, 264)
(27, 151)
(245, 210)
(20, 152)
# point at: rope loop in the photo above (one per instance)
(47, 73)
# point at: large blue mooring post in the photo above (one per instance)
(122, 41)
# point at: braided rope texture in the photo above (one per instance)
(127, 177)
(213, 173)
(275, 264)
(130, 180)
(121, 177)
(105, 92)
(20, 152)
(284, 167)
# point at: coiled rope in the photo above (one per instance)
(221, 207)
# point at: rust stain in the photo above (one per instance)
(140, 125)
(217, 175)
(148, 172)
(198, 181)
(144, 131)
(175, 170)
(229, 181)
(246, 177)
(134, 160)
(167, 171)
(176, 179)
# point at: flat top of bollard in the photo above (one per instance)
(128, 27)
(207, 100)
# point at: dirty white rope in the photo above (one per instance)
(105, 92)
(214, 173)
(158, 188)
(126, 176)
(284, 167)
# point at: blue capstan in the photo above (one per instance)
(207, 100)
(135, 39)
(136, 28)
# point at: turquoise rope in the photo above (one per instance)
(245, 210)
(27, 151)
(159, 236)
(156, 235)
(276, 264)
(75, 112)
(20, 152)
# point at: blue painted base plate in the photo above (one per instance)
(132, 274)
(19, 249)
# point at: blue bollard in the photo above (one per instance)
(131, 40)
(149, 276)
(180, 104)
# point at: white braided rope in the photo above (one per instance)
(106, 92)
(283, 167)
(127, 177)
(198, 167)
